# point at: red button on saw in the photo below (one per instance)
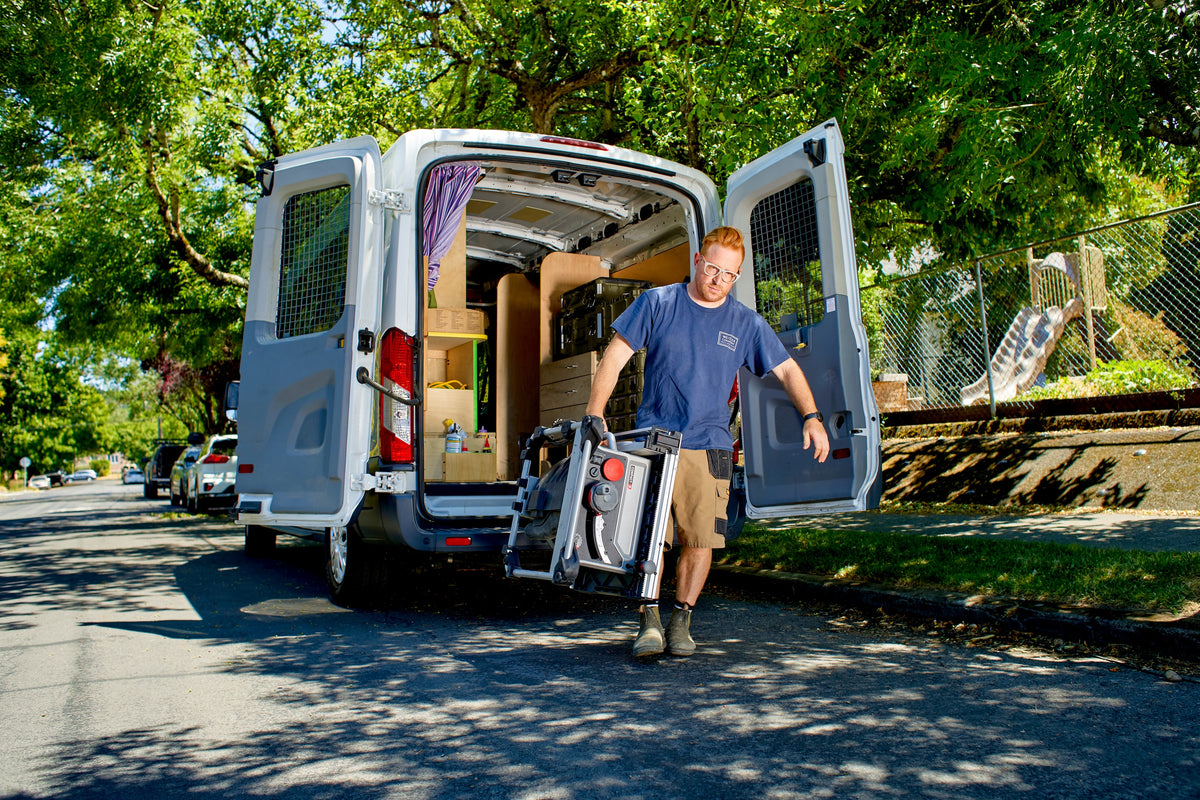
(613, 469)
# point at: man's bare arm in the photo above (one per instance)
(616, 356)
(799, 392)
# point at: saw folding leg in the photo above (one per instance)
(602, 512)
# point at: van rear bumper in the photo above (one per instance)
(393, 519)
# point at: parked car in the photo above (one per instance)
(133, 475)
(158, 468)
(81, 476)
(57, 478)
(179, 475)
(39, 482)
(210, 479)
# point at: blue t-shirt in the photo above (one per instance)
(693, 354)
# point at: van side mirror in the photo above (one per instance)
(231, 400)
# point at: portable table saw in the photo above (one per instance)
(601, 513)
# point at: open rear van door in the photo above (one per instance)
(311, 321)
(792, 206)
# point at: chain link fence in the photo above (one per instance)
(1112, 311)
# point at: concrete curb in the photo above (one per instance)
(1094, 626)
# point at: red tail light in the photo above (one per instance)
(573, 142)
(396, 355)
(214, 458)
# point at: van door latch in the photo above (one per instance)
(392, 199)
(366, 340)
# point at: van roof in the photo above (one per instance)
(541, 194)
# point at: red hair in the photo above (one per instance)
(725, 236)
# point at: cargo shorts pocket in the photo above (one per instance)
(720, 464)
(720, 467)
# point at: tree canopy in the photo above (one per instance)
(130, 130)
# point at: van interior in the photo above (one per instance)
(501, 354)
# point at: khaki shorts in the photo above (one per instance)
(700, 498)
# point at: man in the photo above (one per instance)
(696, 339)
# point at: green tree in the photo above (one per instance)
(50, 414)
(130, 131)
(134, 130)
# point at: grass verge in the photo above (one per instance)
(1071, 575)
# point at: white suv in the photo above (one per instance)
(209, 481)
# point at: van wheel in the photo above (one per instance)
(356, 572)
(260, 541)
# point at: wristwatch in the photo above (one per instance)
(814, 415)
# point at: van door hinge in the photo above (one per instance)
(392, 199)
(366, 340)
(382, 482)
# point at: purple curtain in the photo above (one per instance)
(446, 196)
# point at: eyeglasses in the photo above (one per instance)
(712, 270)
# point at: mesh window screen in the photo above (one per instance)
(312, 269)
(787, 260)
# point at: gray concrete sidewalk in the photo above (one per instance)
(1129, 530)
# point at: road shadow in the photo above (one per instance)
(471, 685)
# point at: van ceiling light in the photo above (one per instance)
(562, 175)
(573, 142)
(587, 179)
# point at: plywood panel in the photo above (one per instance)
(673, 266)
(561, 272)
(455, 404)
(518, 304)
(451, 288)
(469, 467)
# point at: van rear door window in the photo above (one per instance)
(787, 257)
(312, 268)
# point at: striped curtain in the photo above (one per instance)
(446, 195)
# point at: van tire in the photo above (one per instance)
(260, 541)
(358, 574)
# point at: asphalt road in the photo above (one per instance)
(143, 655)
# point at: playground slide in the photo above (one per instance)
(1022, 355)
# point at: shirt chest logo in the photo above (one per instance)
(727, 340)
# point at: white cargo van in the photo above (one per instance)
(352, 367)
